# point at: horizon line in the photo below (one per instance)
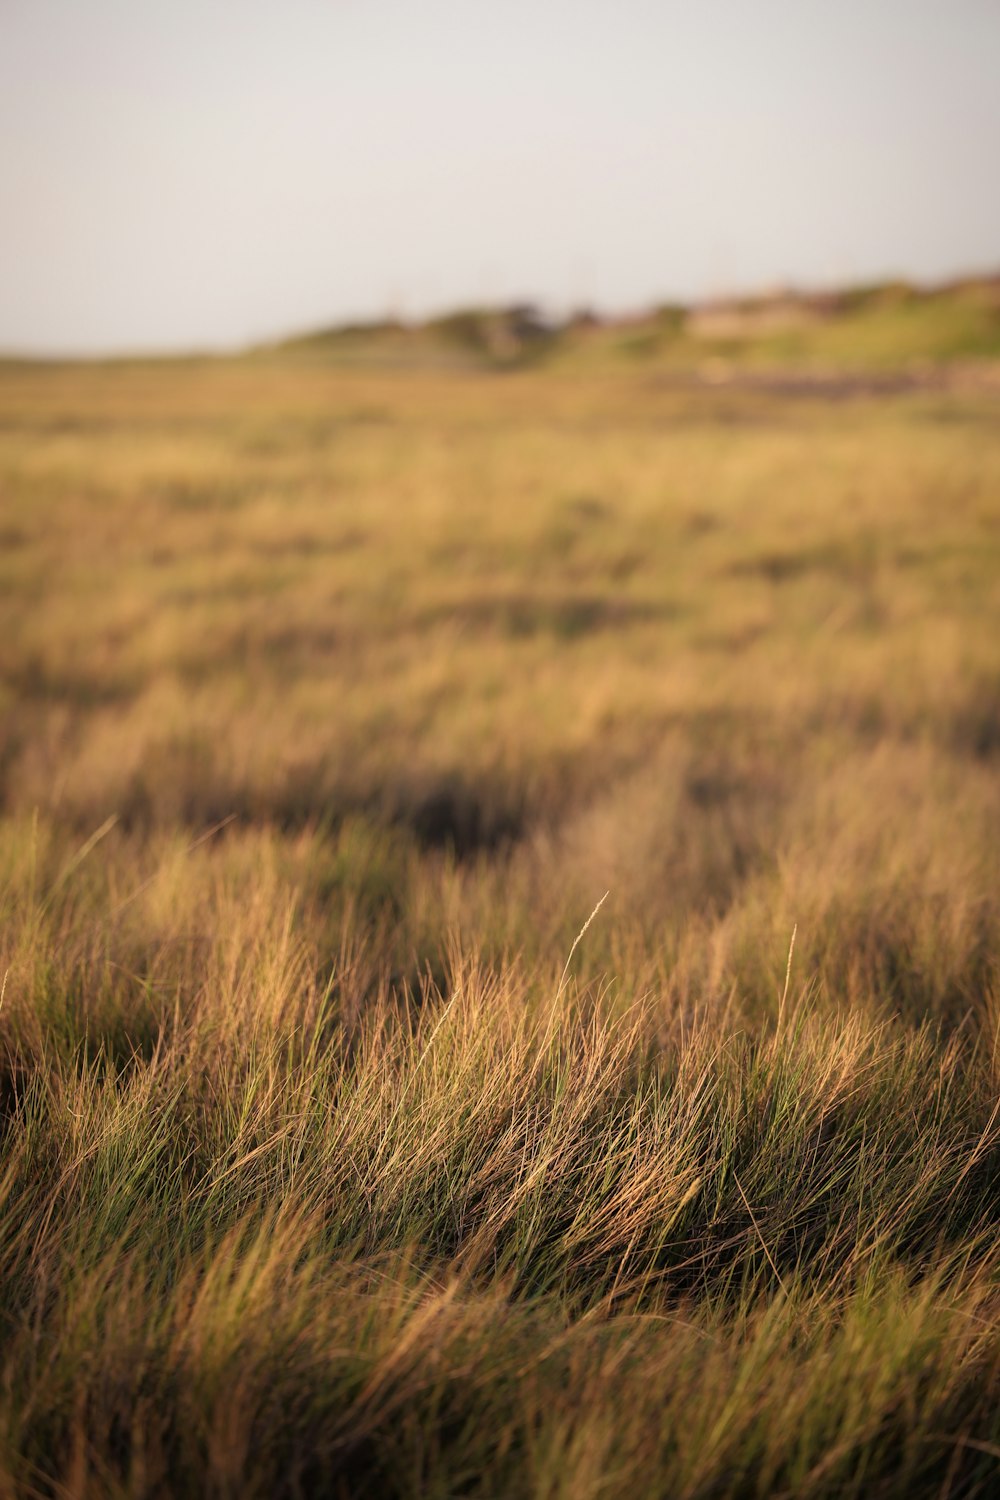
(757, 293)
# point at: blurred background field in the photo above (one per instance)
(338, 682)
(488, 644)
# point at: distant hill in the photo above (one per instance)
(885, 326)
(479, 337)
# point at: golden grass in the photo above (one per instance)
(342, 1152)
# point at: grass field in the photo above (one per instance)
(338, 684)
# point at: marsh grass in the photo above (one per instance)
(342, 1153)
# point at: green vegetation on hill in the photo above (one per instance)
(337, 1157)
(885, 326)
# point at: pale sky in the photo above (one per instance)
(202, 173)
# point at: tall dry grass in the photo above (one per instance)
(332, 702)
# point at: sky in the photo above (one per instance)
(207, 173)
